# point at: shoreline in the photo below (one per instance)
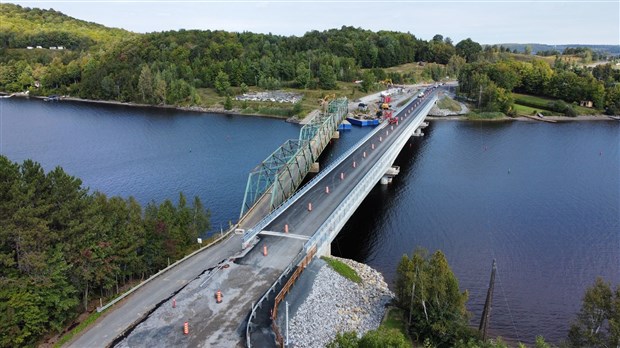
(200, 109)
(237, 112)
(556, 119)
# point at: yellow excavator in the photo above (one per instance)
(325, 100)
(387, 82)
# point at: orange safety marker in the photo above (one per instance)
(174, 303)
(264, 252)
(326, 189)
(218, 296)
(186, 328)
(354, 164)
(309, 206)
(341, 176)
(285, 228)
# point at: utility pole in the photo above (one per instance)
(486, 313)
(286, 344)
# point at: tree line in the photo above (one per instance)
(22, 27)
(490, 82)
(428, 291)
(61, 246)
(168, 67)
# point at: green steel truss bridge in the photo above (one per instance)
(278, 176)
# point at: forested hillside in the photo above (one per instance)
(62, 246)
(167, 67)
(22, 27)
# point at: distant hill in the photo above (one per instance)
(21, 27)
(608, 49)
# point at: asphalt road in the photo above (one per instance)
(132, 309)
(304, 222)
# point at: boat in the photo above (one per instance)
(363, 122)
(53, 97)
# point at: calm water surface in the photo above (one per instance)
(542, 199)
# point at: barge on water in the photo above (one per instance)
(363, 122)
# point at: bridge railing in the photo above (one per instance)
(251, 233)
(337, 219)
(265, 298)
(254, 231)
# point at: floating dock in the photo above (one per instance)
(362, 122)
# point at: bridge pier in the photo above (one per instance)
(336, 135)
(314, 168)
(418, 133)
(390, 173)
(325, 250)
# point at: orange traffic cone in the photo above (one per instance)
(264, 250)
(218, 296)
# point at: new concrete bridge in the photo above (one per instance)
(305, 223)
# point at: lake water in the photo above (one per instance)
(541, 199)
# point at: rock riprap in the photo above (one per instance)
(336, 304)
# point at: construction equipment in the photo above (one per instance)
(387, 82)
(325, 100)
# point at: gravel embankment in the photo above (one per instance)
(336, 304)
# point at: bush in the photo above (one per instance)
(561, 106)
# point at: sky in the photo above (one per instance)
(484, 21)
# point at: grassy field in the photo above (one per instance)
(541, 104)
(395, 319)
(311, 99)
(343, 269)
(549, 59)
(526, 110)
(448, 103)
(485, 116)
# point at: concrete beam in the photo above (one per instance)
(285, 235)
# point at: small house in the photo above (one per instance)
(61, 47)
(586, 103)
(52, 47)
(29, 47)
(39, 47)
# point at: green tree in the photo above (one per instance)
(598, 321)
(228, 103)
(222, 83)
(368, 81)
(344, 340)
(468, 49)
(612, 100)
(383, 338)
(379, 338)
(454, 66)
(146, 84)
(302, 74)
(327, 77)
(427, 288)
